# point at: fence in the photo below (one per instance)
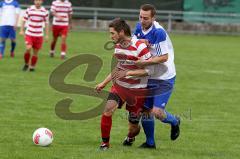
(173, 21)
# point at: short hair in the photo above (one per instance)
(149, 7)
(119, 24)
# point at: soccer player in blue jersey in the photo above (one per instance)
(9, 11)
(161, 83)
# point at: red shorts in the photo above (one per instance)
(134, 98)
(34, 41)
(59, 30)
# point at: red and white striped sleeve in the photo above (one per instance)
(143, 51)
(26, 15)
(46, 17)
(53, 7)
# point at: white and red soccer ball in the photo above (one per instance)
(42, 137)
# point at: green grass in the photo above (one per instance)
(207, 85)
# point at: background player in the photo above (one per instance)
(162, 51)
(128, 79)
(9, 9)
(36, 18)
(62, 15)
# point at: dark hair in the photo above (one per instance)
(149, 7)
(119, 25)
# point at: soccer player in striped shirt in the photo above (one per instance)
(129, 80)
(9, 13)
(36, 18)
(62, 15)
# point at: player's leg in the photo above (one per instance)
(37, 45)
(27, 56)
(3, 36)
(55, 34)
(63, 46)
(133, 128)
(12, 36)
(147, 121)
(34, 60)
(160, 102)
(106, 120)
(64, 33)
(2, 47)
(148, 125)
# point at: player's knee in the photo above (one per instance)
(159, 113)
(109, 110)
(29, 47)
(134, 118)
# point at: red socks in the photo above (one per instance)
(34, 61)
(63, 47)
(106, 125)
(27, 56)
(53, 44)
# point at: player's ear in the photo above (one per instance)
(153, 18)
(121, 32)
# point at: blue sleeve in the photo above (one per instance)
(137, 29)
(1, 4)
(160, 36)
(16, 4)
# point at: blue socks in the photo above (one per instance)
(13, 45)
(148, 127)
(2, 47)
(171, 119)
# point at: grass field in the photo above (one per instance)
(206, 97)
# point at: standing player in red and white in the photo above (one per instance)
(62, 17)
(129, 81)
(36, 17)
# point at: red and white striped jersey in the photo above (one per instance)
(62, 10)
(126, 56)
(35, 19)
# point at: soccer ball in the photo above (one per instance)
(42, 137)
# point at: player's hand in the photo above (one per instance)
(146, 42)
(21, 32)
(99, 87)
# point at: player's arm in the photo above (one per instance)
(47, 26)
(161, 48)
(22, 27)
(152, 61)
(70, 21)
(17, 14)
(103, 84)
(70, 16)
(47, 31)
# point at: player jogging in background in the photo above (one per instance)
(160, 46)
(62, 15)
(128, 79)
(9, 12)
(36, 18)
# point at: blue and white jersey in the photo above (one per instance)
(160, 44)
(8, 11)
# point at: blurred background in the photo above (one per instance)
(181, 16)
